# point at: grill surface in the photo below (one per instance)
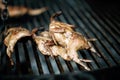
(91, 20)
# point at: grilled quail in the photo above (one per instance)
(17, 11)
(47, 47)
(12, 36)
(65, 35)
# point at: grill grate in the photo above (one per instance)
(92, 21)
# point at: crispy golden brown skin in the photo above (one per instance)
(12, 36)
(47, 47)
(17, 11)
(65, 35)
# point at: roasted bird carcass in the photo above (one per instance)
(12, 36)
(47, 46)
(42, 42)
(65, 35)
(17, 11)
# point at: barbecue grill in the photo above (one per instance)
(94, 18)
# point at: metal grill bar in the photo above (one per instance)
(112, 38)
(82, 24)
(90, 21)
